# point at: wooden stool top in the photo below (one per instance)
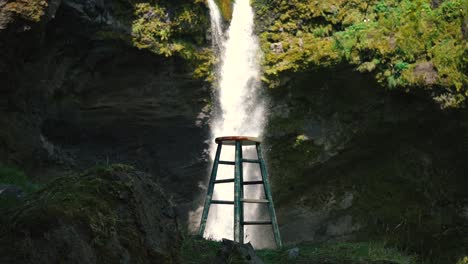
(245, 141)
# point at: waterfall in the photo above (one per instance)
(240, 111)
(216, 26)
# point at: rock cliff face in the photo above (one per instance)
(98, 82)
(351, 162)
(77, 92)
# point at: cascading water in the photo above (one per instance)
(216, 25)
(240, 111)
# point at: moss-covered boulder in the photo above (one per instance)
(22, 14)
(107, 215)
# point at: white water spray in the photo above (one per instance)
(216, 25)
(240, 113)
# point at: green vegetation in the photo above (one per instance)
(164, 27)
(397, 196)
(86, 199)
(197, 250)
(16, 177)
(168, 29)
(405, 44)
(297, 152)
(194, 251)
(339, 252)
(225, 6)
(404, 175)
(31, 10)
(106, 209)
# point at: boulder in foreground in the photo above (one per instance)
(108, 215)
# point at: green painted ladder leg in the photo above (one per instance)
(209, 194)
(238, 196)
(271, 207)
(241, 197)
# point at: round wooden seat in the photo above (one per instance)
(246, 141)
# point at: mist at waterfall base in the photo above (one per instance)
(238, 111)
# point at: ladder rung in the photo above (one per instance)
(221, 202)
(254, 200)
(250, 161)
(252, 182)
(224, 181)
(257, 222)
(227, 162)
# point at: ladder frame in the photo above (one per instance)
(239, 200)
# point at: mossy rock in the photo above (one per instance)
(406, 45)
(105, 215)
(31, 10)
(226, 6)
(177, 28)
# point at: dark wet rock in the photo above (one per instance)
(436, 3)
(107, 215)
(277, 48)
(102, 13)
(73, 94)
(232, 252)
(11, 191)
(347, 161)
(426, 72)
(293, 253)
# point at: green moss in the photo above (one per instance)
(340, 252)
(295, 151)
(112, 168)
(101, 206)
(194, 251)
(87, 200)
(16, 177)
(393, 203)
(387, 38)
(31, 10)
(398, 197)
(203, 62)
(174, 29)
(225, 6)
(404, 176)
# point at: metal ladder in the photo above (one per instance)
(239, 183)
